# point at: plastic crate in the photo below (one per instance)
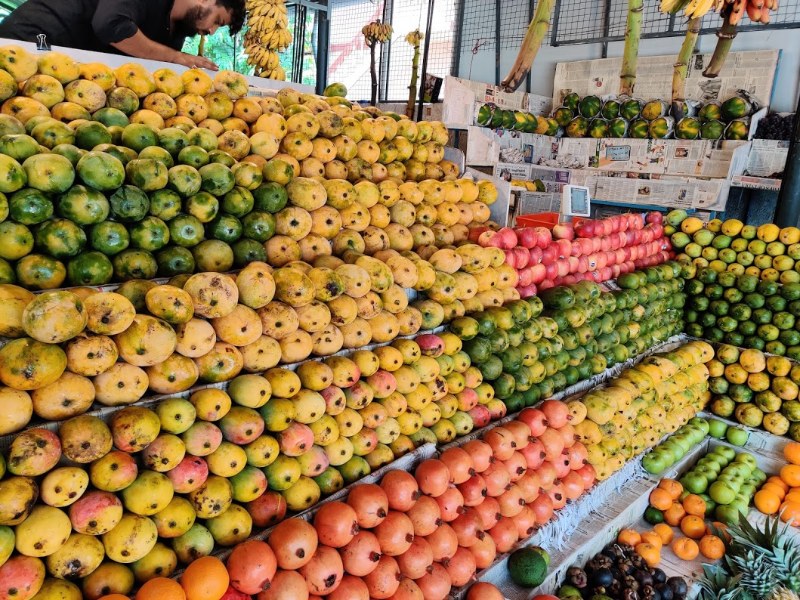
(545, 219)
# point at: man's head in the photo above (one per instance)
(204, 17)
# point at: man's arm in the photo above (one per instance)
(139, 45)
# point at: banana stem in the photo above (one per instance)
(681, 68)
(373, 74)
(201, 47)
(530, 46)
(630, 56)
(725, 37)
(412, 87)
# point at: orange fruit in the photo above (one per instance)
(205, 579)
(161, 588)
(630, 537)
(694, 505)
(693, 526)
(650, 554)
(793, 496)
(672, 487)
(674, 514)
(685, 549)
(775, 489)
(790, 513)
(779, 482)
(660, 499)
(790, 474)
(720, 530)
(665, 532)
(712, 547)
(767, 501)
(651, 537)
(792, 452)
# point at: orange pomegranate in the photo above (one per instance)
(516, 466)
(407, 590)
(286, 585)
(459, 463)
(556, 412)
(324, 572)
(294, 542)
(553, 444)
(433, 477)
(497, 479)
(547, 475)
(415, 561)
(370, 503)
(205, 579)
(425, 515)
(383, 582)
(526, 522)
(336, 524)
(473, 490)
(443, 542)
(511, 502)
(251, 566)
(489, 512)
(451, 504)
(520, 431)
(484, 591)
(535, 419)
(468, 527)
(543, 507)
(395, 533)
(505, 534)
(484, 552)
(461, 567)
(436, 584)
(401, 489)
(161, 588)
(573, 485)
(481, 454)
(350, 588)
(529, 486)
(361, 555)
(501, 441)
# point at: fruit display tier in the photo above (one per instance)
(622, 508)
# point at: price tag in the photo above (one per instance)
(575, 201)
(621, 153)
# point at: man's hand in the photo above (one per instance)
(192, 61)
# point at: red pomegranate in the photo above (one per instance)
(383, 582)
(324, 572)
(251, 566)
(370, 503)
(588, 475)
(361, 555)
(553, 443)
(525, 522)
(336, 524)
(401, 489)
(351, 588)
(473, 490)
(461, 567)
(577, 456)
(567, 433)
(520, 431)
(484, 591)
(294, 542)
(436, 584)
(556, 412)
(233, 594)
(534, 453)
(543, 507)
(286, 585)
(489, 511)
(459, 463)
(561, 465)
(468, 527)
(443, 542)
(425, 515)
(433, 477)
(547, 475)
(395, 533)
(573, 485)
(267, 510)
(451, 503)
(484, 552)
(497, 479)
(481, 454)
(502, 442)
(511, 502)
(516, 466)
(558, 495)
(504, 534)
(535, 419)
(415, 561)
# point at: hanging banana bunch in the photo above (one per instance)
(375, 33)
(267, 34)
(414, 38)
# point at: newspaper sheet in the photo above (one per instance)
(767, 158)
(675, 192)
(483, 147)
(538, 202)
(753, 72)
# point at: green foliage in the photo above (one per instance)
(225, 50)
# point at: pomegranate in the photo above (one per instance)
(573, 485)
(489, 512)
(361, 555)
(529, 486)
(461, 567)
(520, 431)
(459, 463)
(484, 552)
(535, 419)
(468, 527)
(401, 489)
(558, 495)
(504, 534)
(525, 522)
(370, 503)
(516, 466)
(324, 572)
(481, 454)
(336, 524)
(511, 502)
(294, 542)
(497, 479)
(407, 590)
(534, 453)
(577, 456)
(588, 475)
(451, 503)
(267, 510)
(425, 515)
(484, 591)
(383, 582)
(556, 412)
(233, 594)
(561, 465)
(433, 477)
(543, 507)
(395, 533)
(502, 442)
(436, 584)
(553, 444)
(286, 585)
(567, 433)
(350, 588)
(251, 566)
(473, 490)
(547, 475)
(416, 561)
(443, 542)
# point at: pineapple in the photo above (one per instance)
(716, 584)
(782, 593)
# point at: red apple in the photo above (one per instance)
(550, 254)
(551, 270)
(605, 243)
(539, 273)
(655, 217)
(607, 273)
(527, 237)
(527, 291)
(543, 237)
(564, 247)
(564, 231)
(534, 256)
(475, 232)
(546, 284)
(569, 279)
(525, 276)
(597, 244)
(615, 271)
(563, 267)
(508, 236)
(583, 264)
(490, 239)
(574, 262)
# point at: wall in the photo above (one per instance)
(481, 67)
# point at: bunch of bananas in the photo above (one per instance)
(757, 10)
(414, 38)
(267, 34)
(377, 32)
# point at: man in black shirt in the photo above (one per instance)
(153, 29)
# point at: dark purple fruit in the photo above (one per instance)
(658, 576)
(602, 577)
(678, 586)
(577, 577)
